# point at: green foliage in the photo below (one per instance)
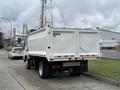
(105, 67)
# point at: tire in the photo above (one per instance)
(28, 64)
(74, 74)
(44, 70)
(84, 65)
(36, 65)
(75, 71)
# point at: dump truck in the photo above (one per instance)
(51, 50)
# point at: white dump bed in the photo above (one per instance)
(64, 44)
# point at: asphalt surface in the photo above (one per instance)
(14, 76)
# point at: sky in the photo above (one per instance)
(67, 13)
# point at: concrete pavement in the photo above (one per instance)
(7, 81)
(14, 76)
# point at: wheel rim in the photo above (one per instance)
(41, 69)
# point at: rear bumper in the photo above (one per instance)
(17, 55)
(74, 59)
(66, 65)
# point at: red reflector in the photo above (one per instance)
(82, 65)
(55, 66)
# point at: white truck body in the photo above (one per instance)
(60, 44)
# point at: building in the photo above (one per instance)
(6, 43)
(18, 40)
(109, 35)
(110, 43)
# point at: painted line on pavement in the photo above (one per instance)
(10, 73)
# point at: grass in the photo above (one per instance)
(108, 68)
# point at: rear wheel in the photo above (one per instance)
(84, 65)
(44, 69)
(74, 71)
(36, 65)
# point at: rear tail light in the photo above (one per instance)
(55, 66)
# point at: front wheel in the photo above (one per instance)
(28, 64)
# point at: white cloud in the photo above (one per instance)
(69, 13)
(30, 16)
(91, 13)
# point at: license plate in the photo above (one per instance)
(66, 64)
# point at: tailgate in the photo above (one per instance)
(63, 43)
(75, 44)
(89, 44)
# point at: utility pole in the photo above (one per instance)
(14, 37)
(25, 32)
(43, 15)
(51, 14)
(25, 29)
